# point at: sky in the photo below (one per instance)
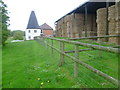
(47, 11)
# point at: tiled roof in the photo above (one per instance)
(46, 27)
(33, 23)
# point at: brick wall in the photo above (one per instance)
(48, 33)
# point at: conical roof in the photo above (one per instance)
(33, 23)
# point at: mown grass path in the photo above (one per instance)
(30, 65)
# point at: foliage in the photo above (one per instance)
(12, 32)
(5, 35)
(4, 22)
(18, 35)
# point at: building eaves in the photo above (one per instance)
(92, 6)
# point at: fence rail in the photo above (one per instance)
(98, 47)
(94, 37)
(76, 57)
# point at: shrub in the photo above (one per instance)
(18, 36)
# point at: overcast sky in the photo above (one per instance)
(47, 11)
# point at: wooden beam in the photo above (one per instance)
(98, 47)
(61, 55)
(107, 6)
(76, 64)
(86, 20)
(98, 72)
(81, 50)
(94, 37)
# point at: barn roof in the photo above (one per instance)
(92, 6)
(46, 27)
(33, 23)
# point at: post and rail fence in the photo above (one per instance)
(76, 51)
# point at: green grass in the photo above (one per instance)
(0, 66)
(9, 39)
(26, 62)
(101, 60)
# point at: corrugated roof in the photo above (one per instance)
(33, 23)
(46, 27)
(92, 6)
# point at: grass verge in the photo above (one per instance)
(0, 66)
(30, 65)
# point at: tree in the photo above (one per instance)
(4, 22)
(13, 32)
(18, 36)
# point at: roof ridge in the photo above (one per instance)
(46, 26)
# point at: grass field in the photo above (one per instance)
(31, 65)
(0, 66)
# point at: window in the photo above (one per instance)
(35, 31)
(29, 31)
(41, 31)
(29, 37)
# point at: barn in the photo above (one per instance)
(91, 19)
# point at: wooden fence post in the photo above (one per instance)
(76, 64)
(42, 40)
(52, 45)
(61, 55)
(46, 42)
